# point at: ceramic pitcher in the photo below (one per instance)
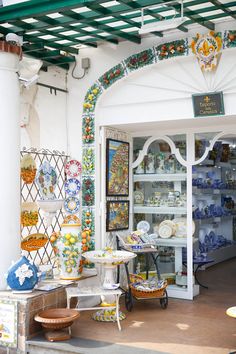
(69, 251)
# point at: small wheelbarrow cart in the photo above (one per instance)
(134, 293)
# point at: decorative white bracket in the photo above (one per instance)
(173, 149)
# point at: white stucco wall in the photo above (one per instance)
(60, 115)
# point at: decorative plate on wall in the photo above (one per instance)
(71, 205)
(73, 168)
(46, 180)
(72, 186)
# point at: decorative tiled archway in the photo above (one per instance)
(124, 68)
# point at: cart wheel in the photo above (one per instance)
(164, 301)
(128, 301)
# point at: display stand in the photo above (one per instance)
(153, 252)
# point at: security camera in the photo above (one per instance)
(14, 39)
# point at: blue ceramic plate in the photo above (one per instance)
(72, 187)
(71, 205)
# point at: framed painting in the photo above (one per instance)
(117, 168)
(117, 215)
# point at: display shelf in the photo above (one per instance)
(142, 209)
(210, 163)
(217, 219)
(209, 191)
(174, 241)
(166, 177)
(221, 254)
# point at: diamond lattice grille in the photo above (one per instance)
(30, 193)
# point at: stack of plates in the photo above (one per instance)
(167, 228)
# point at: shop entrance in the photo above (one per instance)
(200, 173)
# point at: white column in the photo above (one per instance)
(9, 162)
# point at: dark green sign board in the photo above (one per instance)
(208, 104)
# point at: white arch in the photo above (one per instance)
(211, 145)
(173, 148)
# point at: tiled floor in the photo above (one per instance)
(186, 327)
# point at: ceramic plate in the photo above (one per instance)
(181, 227)
(171, 224)
(73, 168)
(46, 180)
(143, 226)
(138, 197)
(72, 186)
(165, 231)
(71, 219)
(71, 205)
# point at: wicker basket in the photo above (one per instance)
(142, 294)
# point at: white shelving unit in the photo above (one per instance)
(140, 209)
(162, 184)
(153, 177)
(222, 225)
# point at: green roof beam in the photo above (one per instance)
(109, 30)
(35, 7)
(223, 8)
(27, 48)
(53, 22)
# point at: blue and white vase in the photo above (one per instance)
(22, 276)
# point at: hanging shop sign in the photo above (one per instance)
(8, 323)
(208, 104)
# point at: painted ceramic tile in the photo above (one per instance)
(88, 161)
(91, 98)
(111, 76)
(172, 49)
(88, 191)
(140, 60)
(88, 129)
(230, 39)
(88, 220)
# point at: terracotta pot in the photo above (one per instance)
(57, 319)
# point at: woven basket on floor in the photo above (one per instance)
(145, 293)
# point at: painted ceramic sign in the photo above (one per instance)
(207, 48)
(46, 180)
(8, 323)
(28, 169)
(29, 214)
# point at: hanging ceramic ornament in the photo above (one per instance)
(46, 180)
(29, 214)
(28, 169)
(22, 276)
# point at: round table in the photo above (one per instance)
(231, 311)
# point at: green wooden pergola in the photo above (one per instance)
(54, 30)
